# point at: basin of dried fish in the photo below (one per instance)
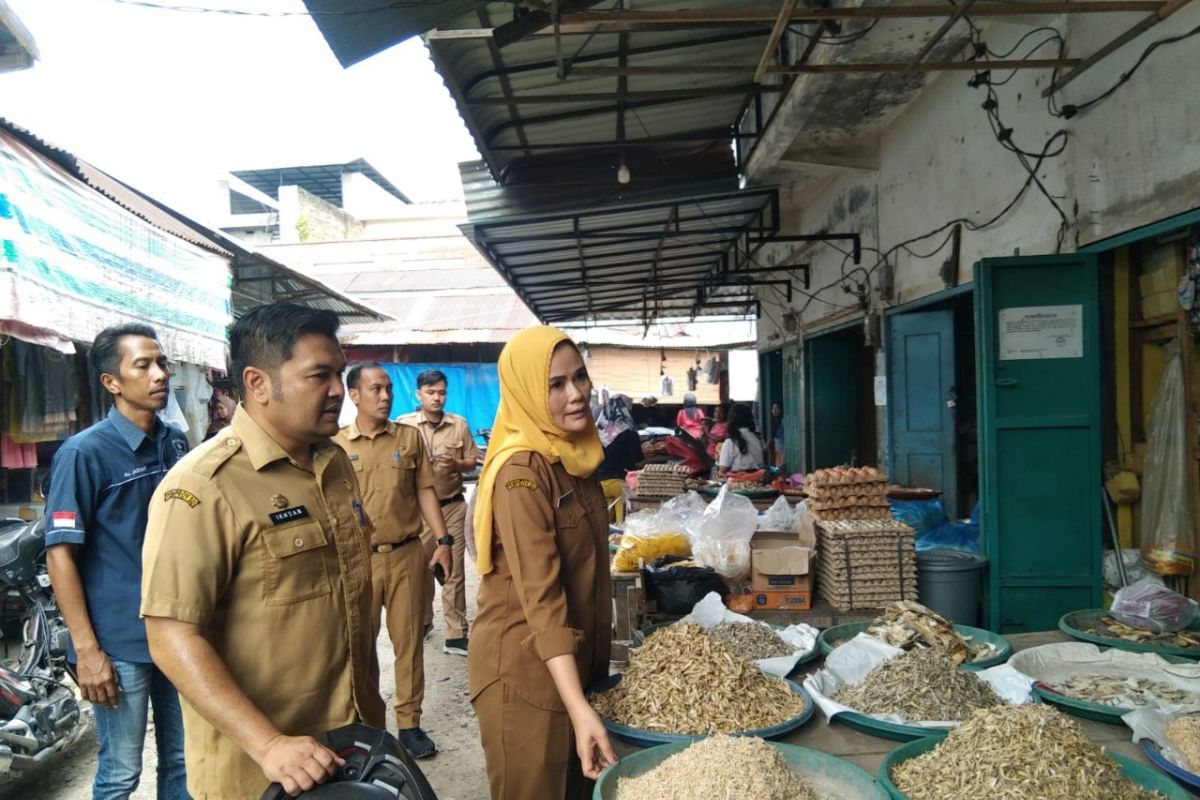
(921, 685)
(682, 681)
(1184, 735)
(719, 767)
(906, 625)
(1129, 692)
(1107, 626)
(1014, 753)
(751, 640)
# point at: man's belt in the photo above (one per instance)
(390, 546)
(458, 498)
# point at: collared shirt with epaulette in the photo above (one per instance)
(450, 436)
(391, 466)
(270, 560)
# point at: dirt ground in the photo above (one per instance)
(456, 772)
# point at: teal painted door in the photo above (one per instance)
(921, 414)
(793, 433)
(1039, 437)
(833, 398)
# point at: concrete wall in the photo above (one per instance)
(304, 217)
(1130, 160)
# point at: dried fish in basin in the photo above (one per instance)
(1184, 734)
(683, 681)
(906, 625)
(919, 685)
(1128, 692)
(750, 639)
(1016, 753)
(1108, 626)
(720, 767)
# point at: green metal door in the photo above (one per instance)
(1039, 437)
(793, 387)
(832, 363)
(921, 414)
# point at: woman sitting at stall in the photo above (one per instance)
(690, 416)
(718, 430)
(543, 630)
(743, 450)
(622, 453)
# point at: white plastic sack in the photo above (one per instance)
(711, 612)
(1151, 723)
(681, 512)
(721, 538)
(1055, 663)
(1166, 516)
(851, 662)
(778, 517)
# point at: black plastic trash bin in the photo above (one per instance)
(951, 582)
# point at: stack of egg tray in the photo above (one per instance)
(840, 500)
(865, 563)
(662, 480)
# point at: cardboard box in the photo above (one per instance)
(1160, 304)
(779, 569)
(795, 599)
(1159, 280)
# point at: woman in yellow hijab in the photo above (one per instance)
(543, 630)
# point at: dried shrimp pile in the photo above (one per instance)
(1124, 692)
(1184, 735)
(919, 685)
(906, 625)
(683, 681)
(1111, 627)
(1015, 753)
(720, 767)
(751, 640)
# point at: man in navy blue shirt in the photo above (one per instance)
(101, 482)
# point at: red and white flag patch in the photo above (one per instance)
(62, 519)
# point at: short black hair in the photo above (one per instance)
(264, 336)
(355, 373)
(106, 348)
(431, 377)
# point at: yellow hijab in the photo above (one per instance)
(523, 423)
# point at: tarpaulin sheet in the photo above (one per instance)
(472, 391)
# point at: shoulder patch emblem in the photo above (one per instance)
(181, 494)
(522, 483)
(279, 501)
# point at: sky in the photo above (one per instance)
(169, 101)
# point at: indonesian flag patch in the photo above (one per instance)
(62, 519)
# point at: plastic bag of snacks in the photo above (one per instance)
(1149, 607)
(644, 540)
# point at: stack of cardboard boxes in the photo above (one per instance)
(781, 569)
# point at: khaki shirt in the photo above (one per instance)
(549, 592)
(450, 436)
(270, 560)
(390, 466)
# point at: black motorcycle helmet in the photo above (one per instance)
(377, 768)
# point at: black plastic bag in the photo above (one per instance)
(676, 589)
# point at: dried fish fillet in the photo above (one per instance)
(683, 681)
(1016, 753)
(1128, 692)
(906, 625)
(919, 685)
(1108, 626)
(720, 767)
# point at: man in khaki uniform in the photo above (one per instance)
(256, 571)
(397, 479)
(448, 439)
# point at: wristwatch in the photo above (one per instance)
(447, 540)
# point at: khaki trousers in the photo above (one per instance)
(398, 586)
(454, 592)
(614, 489)
(529, 751)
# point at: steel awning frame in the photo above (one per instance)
(679, 257)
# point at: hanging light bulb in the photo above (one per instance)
(623, 175)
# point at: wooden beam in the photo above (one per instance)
(1166, 10)
(781, 21)
(959, 11)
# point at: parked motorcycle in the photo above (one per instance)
(376, 768)
(39, 711)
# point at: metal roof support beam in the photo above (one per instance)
(687, 138)
(781, 21)
(959, 11)
(582, 264)
(614, 237)
(705, 216)
(1137, 30)
(835, 69)
(666, 95)
(854, 238)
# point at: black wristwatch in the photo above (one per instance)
(447, 540)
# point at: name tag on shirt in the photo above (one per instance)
(289, 515)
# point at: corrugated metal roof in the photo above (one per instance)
(322, 180)
(17, 48)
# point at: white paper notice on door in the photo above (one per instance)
(1041, 332)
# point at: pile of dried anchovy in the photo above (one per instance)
(1184, 734)
(906, 625)
(919, 685)
(683, 681)
(1015, 753)
(750, 639)
(1108, 626)
(720, 767)
(1123, 692)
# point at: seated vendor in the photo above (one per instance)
(743, 450)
